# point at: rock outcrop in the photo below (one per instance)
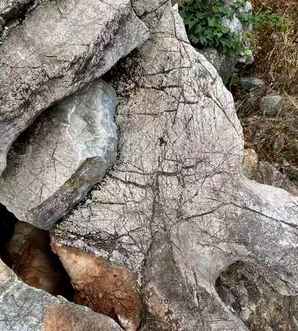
(56, 50)
(57, 161)
(175, 210)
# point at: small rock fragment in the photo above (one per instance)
(252, 84)
(65, 317)
(271, 105)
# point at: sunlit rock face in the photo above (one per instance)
(54, 164)
(175, 210)
(56, 50)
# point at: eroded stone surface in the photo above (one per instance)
(53, 165)
(23, 308)
(175, 209)
(58, 49)
(150, 11)
(247, 291)
(108, 289)
(71, 318)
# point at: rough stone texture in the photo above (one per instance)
(72, 318)
(23, 308)
(271, 105)
(249, 294)
(53, 165)
(175, 210)
(253, 84)
(108, 289)
(266, 173)
(56, 50)
(150, 11)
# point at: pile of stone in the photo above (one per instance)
(121, 139)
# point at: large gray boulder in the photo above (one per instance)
(176, 211)
(56, 50)
(23, 308)
(61, 156)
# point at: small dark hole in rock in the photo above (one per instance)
(26, 250)
(7, 226)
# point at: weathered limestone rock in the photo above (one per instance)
(249, 294)
(53, 165)
(150, 11)
(57, 50)
(176, 210)
(73, 318)
(23, 308)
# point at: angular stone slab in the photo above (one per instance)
(176, 210)
(56, 162)
(23, 308)
(57, 50)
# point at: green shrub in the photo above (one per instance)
(204, 24)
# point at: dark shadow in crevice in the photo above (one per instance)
(7, 227)
(254, 298)
(27, 251)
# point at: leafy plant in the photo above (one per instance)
(205, 24)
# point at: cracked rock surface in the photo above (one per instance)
(23, 308)
(249, 294)
(56, 50)
(176, 210)
(147, 248)
(69, 149)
